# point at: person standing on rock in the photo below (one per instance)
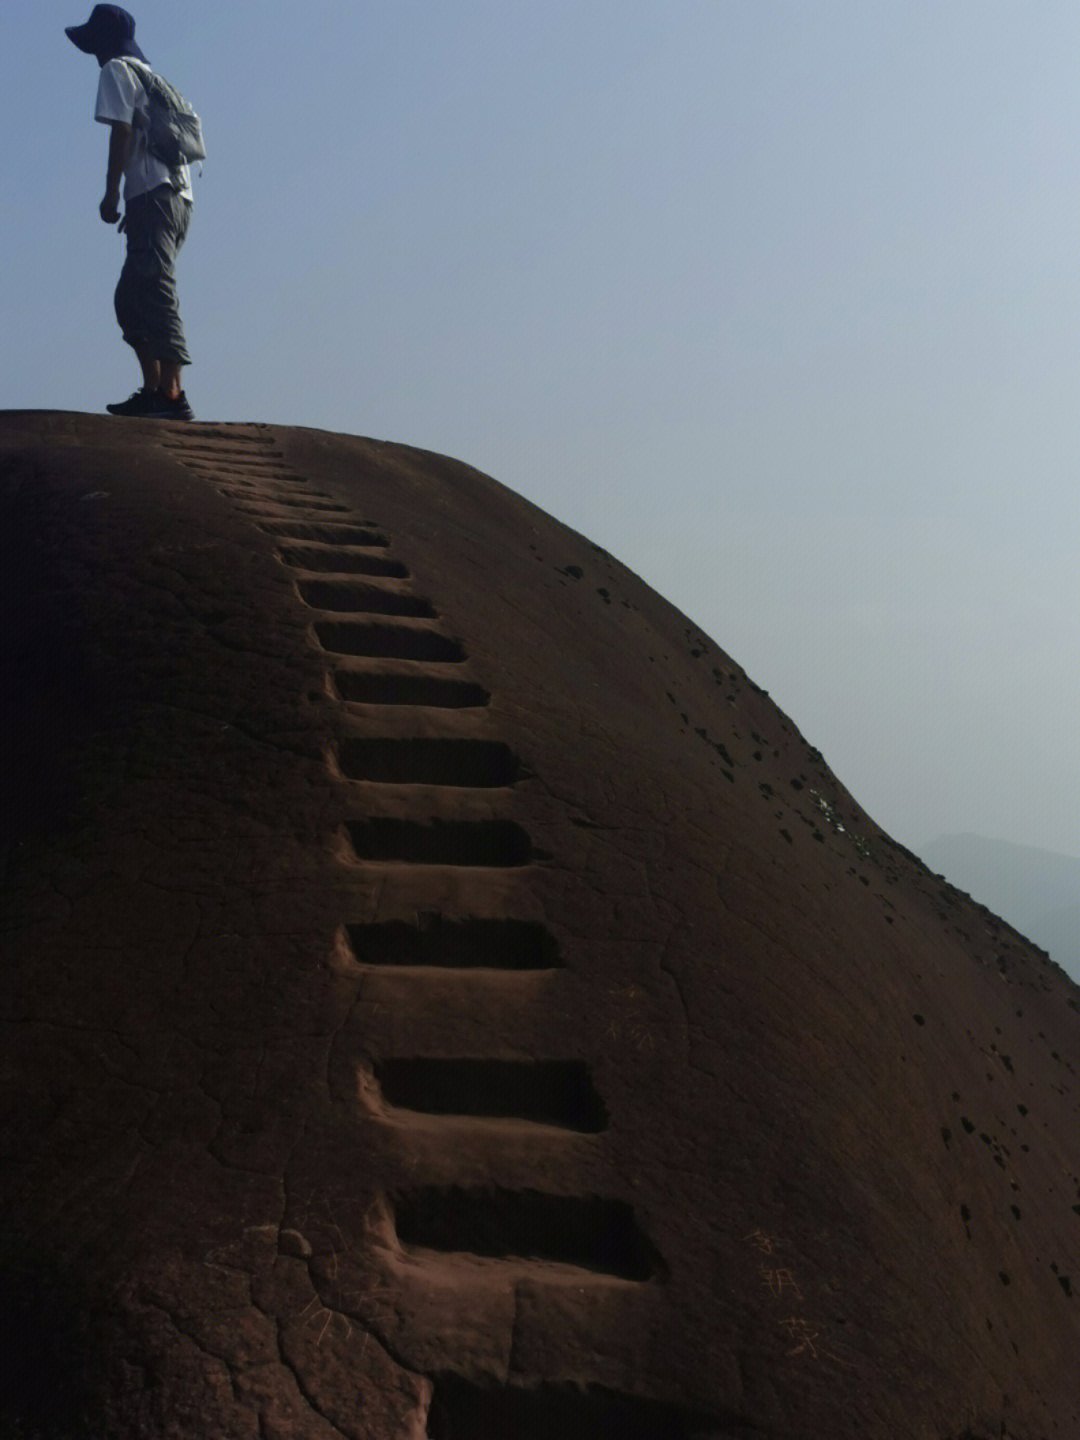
(158, 203)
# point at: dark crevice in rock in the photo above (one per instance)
(367, 599)
(548, 1092)
(366, 688)
(341, 562)
(457, 944)
(588, 1231)
(388, 642)
(461, 1410)
(490, 843)
(476, 764)
(327, 534)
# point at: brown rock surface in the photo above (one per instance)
(444, 996)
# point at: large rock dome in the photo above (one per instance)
(445, 997)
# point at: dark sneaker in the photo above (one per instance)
(141, 403)
(162, 408)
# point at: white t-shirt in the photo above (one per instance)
(122, 97)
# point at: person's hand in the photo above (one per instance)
(110, 208)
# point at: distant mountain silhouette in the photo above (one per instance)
(1038, 891)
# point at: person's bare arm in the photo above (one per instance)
(119, 150)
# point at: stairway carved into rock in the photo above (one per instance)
(470, 1129)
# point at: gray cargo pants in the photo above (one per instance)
(147, 306)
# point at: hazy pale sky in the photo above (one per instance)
(778, 300)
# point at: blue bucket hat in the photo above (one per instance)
(110, 32)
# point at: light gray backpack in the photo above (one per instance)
(175, 135)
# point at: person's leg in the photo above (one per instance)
(151, 368)
(137, 261)
(146, 299)
(168, 382)
(171, 351)
(127, 307)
